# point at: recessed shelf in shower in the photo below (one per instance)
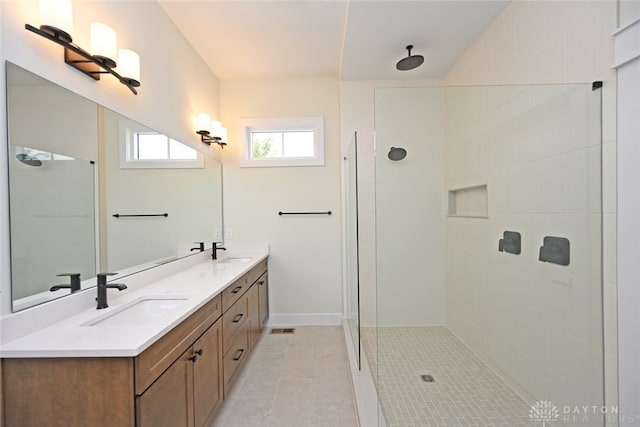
(469, 202)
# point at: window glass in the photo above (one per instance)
(297, 141)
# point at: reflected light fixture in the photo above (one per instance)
(58, 17)
(211, 131)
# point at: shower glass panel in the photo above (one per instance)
(352, 254)
(488, 255)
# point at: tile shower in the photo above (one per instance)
(499, 324)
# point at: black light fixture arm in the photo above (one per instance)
(205, 136)
(80, 59)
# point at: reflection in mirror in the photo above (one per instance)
(51, 191)
(73, 165)
(170, 178)
(52, 223)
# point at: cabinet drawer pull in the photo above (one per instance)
(236, 290)
(193, 358)
(261, 282)
(239, 354)
(199, 352)
(237, 318)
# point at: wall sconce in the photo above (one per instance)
(103, 43)
(211, 131)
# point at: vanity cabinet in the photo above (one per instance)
(263, 299)
(189, 391)
(240, 322)
(179, 381)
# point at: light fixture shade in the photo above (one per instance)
(204, 122)
(103, 41)
(223, 134)
(216, 128)
(57, 13)
(129, 64)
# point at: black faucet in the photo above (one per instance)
(215, 249)
(74, 285)
(200, 247)
(102, 289)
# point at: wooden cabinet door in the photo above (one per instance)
(263, 298)
(254, 314)
(169, 401)
(207, 375)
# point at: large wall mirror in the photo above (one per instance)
(93, 191)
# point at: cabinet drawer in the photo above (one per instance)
(157, 358)
(234, 291)
(256, 272)
(235, 358)
(234, 320)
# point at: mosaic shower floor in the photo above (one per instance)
(465, 392)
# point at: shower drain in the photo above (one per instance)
(427, 378)
(283, 330)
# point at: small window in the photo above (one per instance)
(283, 142)
(142, 148)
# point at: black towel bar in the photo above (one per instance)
(304, 213)
(139, 215)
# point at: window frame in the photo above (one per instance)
(127, 131)
(283, 124)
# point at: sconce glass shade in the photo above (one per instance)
(129, 65)
(223, 134)
(204, 122)
(56, 17)
(103, 43)
(216, 128)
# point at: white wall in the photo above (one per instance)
(410, 256)
(627, 42)
(535, 42)
(357, 114)
(305, 252)
(176, 83)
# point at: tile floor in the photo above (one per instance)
(465, 392)
(299, 380)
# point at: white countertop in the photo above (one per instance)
(198, 284)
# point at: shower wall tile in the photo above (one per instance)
(519, 194)
(549, 185)
(579, 170)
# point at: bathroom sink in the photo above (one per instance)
(141, 311)
(236, 259)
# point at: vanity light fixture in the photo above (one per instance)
(103, 43)
(211, 131)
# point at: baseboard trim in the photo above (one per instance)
(305, 319)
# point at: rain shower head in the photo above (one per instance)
(28, 160)
(397, 153)
(410, 62)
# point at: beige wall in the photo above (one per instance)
(305, 252)
(534, 42)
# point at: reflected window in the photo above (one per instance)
(142, 148)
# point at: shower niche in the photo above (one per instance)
(469, 202)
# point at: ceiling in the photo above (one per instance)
(355, 40)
